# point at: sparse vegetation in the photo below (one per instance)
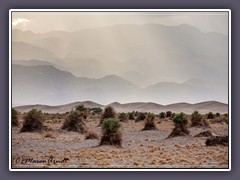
(109, 112)
(84, 111)
(75, 122)
(131, 116)
(123, 117)
(33, 121)
(210, 115)
(91, 135)
(95, 110)
(81, 108)
(140, 117)
(168, 114)
(221, 119)
(162, 115)
(150, 122)
(198, 120)
(172, 116)
(204, 134)
(218, 114)
(140, 148)
(111, 132)
(180, 121)
(217, 140)
(15, 120)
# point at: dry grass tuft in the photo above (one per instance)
(91, 135)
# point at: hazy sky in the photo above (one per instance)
(73, 21)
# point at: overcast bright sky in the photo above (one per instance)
(74, 21)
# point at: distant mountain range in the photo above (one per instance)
(162, 53)
(120, 63)
(204, 107)
(49, 85)
(45, 84)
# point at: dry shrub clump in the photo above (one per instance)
(33, 121)
(75, 122)
(131, 116)
(111, 132)
(49, 135)
(109, 112)
(220, 119)
(217, 140)
(180, 121)
(210, 115)
(15, 120)
(172, 116)
(150, 122)
(168, 114)
(123, 117)
(91, 135)
(85, 111)
(204, 134)
(162, 115)
(198, 120)
(140, 117)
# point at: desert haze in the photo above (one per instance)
(120, 90)
(123, 63)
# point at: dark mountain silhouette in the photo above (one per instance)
(46, 84)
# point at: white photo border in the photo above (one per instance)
(119, 10)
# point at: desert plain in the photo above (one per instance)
(57, 148)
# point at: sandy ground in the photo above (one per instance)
(140, 149)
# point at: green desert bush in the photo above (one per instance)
(123, 117)
(33, 121)
(15, 119)
(111, 132)
(198, 120)
(83, 110)
(75, 122)
(180, 129)
(95, 110)
(108, 112)
(162, 115)
(150, 122)
(180, 119)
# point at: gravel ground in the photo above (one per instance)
(140, 149)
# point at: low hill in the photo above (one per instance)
(203, 107)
